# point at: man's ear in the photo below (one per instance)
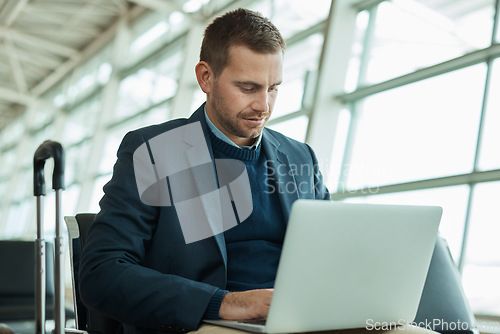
(205, 76)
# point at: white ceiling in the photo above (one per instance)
(454, 9)
(41, 40)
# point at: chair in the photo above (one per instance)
(86, 319)
(17, 281)
(443, 304)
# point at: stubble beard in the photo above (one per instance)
(228, 123)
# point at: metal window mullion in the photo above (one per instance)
(463, 248)
(349, 146)
(465, 235)
(367, 45)
(469, 59)
(330, 81)
(301, 35)
(367, 4)
(484, 106)
(287, 117)
(447, 181)
(496, 22)
(355, 106)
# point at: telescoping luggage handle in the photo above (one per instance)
(47, 150)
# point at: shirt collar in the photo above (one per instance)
(219, 134)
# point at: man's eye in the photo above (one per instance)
(246, 90)
(273, 89)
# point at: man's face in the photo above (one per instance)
(242, 98)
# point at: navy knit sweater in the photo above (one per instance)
(254, 245)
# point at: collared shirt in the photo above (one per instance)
(219, 134)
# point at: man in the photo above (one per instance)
(146, 262)
(4, 329)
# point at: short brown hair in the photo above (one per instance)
(238, 27)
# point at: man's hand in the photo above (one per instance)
(243, 305)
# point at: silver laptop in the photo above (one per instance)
(346, 265)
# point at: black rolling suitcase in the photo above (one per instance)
(47, 150)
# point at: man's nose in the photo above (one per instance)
(261, 102)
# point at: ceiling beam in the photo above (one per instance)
(50, 46)
(17, 70)
(56, 33)
(75, 59)
(5, 9)
(80, 19)
(89, 51)
(15, 12)
(13, 96)
(159, 5)
(39, 8)
(41, 60)
(51, 19)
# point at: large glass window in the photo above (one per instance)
(453, 200)
(409, 35)
(295, 16)
(19, 212)
(152, 31)
(85, 80)
(301, 62)
(354, 69)
(490, 148)
(115, 134)
(97, 192)
(113, 140)
(13, 133)
(82, 121)
(416, 87)
(481, 272)
(497, 35)
(295, 128)
(424, 130)
(149, 85)
(76, 161)
(24, 188)
(8, 160)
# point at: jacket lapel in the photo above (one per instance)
(283, 177)
(198, 145)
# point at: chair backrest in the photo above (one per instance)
(17, 280)
(87, 319)
(443, 304)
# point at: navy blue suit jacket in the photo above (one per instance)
(136, 266)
